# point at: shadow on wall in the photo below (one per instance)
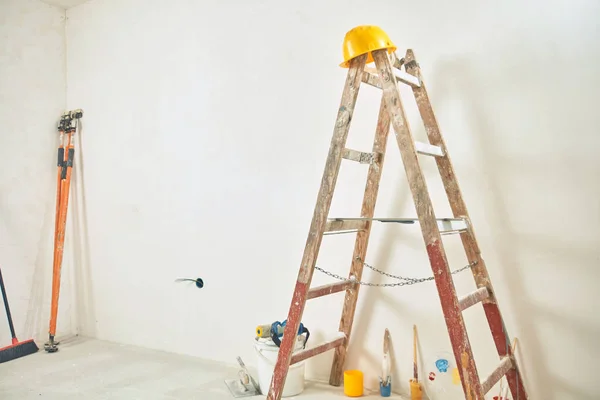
(36, 312)
(38, 306)
(84, 295)
(540, 372)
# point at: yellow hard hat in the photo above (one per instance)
(363, 40)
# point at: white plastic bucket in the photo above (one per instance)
(267, 353)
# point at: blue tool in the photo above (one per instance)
(277, 329)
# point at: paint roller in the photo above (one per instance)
(276, 330)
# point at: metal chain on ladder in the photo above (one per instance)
(404, 280)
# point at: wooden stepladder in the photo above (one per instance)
(362, 45)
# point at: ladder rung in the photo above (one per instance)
(503, 368)
(473, 298)
(448, 226)
(371, 80)
(400, 75)
(429, 149)
(452, 232)
(407, 78)
(341, 232)
(358, 156)
(445, 225)
(324, 290)
(340, 225)
(322, 348)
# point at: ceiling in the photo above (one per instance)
(65, 3)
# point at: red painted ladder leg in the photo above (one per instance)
(459, 209)
(431, 234)
(317, 228)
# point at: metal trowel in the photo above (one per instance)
(245, 385)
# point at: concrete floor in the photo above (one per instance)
(92, 370)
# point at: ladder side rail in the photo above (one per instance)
(362, 241)
(431, 235)
(459, 209)
(317, 227)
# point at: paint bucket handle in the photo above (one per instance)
(277, 341)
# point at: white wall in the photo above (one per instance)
(32, 98)
(206, 129)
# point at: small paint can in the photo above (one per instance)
(385, 390)
(353, 383)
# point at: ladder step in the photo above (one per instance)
(359, 156)
(503, 368)
(400, 75)
(473, 298)
(324, 290)
(303, 355)
(429, 149)
(344, 226)
(445, 225)
(451, 226)
(407, 78)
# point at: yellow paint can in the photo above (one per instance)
(353, 383)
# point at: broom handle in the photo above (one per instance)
(10, 323)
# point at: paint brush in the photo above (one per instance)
(416, 392)
(415, 369)
(385, 381)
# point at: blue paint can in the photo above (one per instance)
(385, 390)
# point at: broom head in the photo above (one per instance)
(18, 349)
